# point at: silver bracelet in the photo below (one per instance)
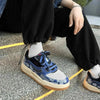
(76, 6)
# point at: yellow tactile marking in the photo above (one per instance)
(51, 91)
(11, 45)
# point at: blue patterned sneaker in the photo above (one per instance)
(92, 84)
(45, 72)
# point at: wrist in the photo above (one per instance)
(76, 5)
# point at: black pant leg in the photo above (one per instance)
(10, 21)
(37, 20)
(61, 22)
(83, 46)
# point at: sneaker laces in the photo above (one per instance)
(45, 61)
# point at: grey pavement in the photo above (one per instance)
(15, 85)
(94, 21)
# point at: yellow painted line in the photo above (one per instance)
(51, 91)
(11, 45)
(75, 74)
(44, 95)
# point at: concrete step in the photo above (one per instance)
(15, 85)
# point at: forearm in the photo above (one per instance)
(68, 3)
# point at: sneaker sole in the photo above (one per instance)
(44, 83)
(90, 87)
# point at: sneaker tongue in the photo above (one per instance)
(38, 56)
(46, 58)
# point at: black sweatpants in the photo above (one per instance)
(39, 20)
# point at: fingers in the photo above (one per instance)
(78, 25)
(70, 20)
(76, 29)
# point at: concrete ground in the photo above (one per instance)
(15, 85)
(94, 21)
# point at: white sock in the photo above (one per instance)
(95, 71)
(35, 49)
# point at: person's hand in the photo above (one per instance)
(76, 16)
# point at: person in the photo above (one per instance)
(41, 19)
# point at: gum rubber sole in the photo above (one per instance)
(44, 83)
(90, 87)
